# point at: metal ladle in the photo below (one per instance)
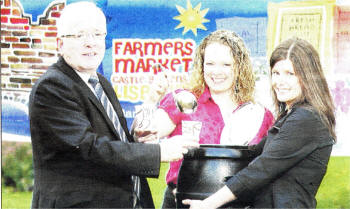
(185, 102)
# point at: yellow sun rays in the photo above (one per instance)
(191, 18)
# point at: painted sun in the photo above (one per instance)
(191, 18)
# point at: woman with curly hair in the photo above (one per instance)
(223, 83)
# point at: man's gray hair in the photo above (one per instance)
(74, 12)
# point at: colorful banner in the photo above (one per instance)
(147, 36)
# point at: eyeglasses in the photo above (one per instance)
(84, 36)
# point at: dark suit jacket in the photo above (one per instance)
(292, 163)
(79, 159)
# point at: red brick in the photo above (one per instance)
(18, 67)
(25, 40)
(20, 33)
(46, 54)
(15, 27)
(40, 67)
(55, 14)
(22, 46)
(26, 86)
(34, 80)
(13, 59)
(5, 33)
(5, 74)
(19, 72)
(11, 39)
(36, 41)
(20, 80)
(4, 65)
(50, 34)
(52, 28)
(5, 11)
(39, 72)
(47, 22)
(38, 27)
(19, 20)
(5, 45)
(24, 53)
(16, 12)
(4, 19)
(12, 85)
(31, 60)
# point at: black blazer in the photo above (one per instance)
(79, 159)
(291, 166)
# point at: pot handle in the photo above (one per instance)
(226, 178)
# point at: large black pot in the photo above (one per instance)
(204, 171)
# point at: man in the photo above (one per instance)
(82, 151)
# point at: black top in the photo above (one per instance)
(293, 161)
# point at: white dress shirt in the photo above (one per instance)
(85, 77)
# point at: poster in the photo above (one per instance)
(145, 36)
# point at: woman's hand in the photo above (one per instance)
(216, 200)
(196, 204)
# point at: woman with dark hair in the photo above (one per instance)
(292, 159)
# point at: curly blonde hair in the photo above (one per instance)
(244, 79)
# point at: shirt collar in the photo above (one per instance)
(85, 76)
(205, 95)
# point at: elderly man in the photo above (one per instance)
(84, 156)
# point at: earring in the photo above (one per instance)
(236, 88)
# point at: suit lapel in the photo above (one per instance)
(65, 68)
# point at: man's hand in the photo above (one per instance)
(174, 148)
(146, 135)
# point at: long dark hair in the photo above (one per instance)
(308, 69)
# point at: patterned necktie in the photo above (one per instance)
(93, 80)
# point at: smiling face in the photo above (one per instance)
(79, 45)
(218, 68)
(285, 83)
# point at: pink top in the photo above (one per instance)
(208, 112)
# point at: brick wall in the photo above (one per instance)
(27, 50)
